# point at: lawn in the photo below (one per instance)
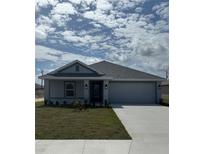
(69, 123)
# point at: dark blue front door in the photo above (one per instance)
(96, 91)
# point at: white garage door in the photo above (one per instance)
(132, 92)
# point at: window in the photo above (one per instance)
(77, 68)
(69, 89)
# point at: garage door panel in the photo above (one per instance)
(132, 92)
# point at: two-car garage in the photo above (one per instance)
(132, 92)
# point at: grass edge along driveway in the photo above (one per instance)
(68, 123)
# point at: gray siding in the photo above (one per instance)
(80, 89)
(57, 89)
(132, 92)
(81, 70)
(46, 89)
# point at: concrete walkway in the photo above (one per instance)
(147, 125)
(83, 146)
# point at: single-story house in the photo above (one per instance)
(102, 82)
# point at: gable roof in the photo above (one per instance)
(121, 72)
(73, 63)
(105, 70)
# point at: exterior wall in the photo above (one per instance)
(56, 91)
(56, 88)
(105, 91)
(86, 90)
(158, 92)
(133, 92)
(114, 92)
(46, 90)
(80, 89)
(81, 70)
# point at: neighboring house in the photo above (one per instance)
(39, 91)
(101, 82)
(37, 86)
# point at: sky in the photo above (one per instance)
(133, 33)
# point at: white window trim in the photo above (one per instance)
(74, 89)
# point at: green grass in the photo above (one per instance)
(165, 100)
(67, 123)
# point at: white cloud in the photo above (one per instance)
(88, 2)
(143, 45)
(127, 4)
(104, 5)
(43, 27)
(162, 10)
(139, 9)
(96, 24)
(64, 8)
(75, 1)
(41, 31)
(161, 25)
(44, 3)
(83, 39)
(101, 17)
(136, 39)
(40, 35)
(71, 37)
(44, 20)
(60, 19)
(60, 14)
(61, 57)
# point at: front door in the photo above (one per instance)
(96, 91)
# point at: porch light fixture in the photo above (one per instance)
(86, 85)
(105, 86)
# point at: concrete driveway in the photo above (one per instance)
(148, 126)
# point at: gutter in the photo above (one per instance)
(96, 78)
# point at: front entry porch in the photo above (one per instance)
(96, 92)
(93, 92)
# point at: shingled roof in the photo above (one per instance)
(121, 72)
(107, 70)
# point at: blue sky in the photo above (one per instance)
(133, 33)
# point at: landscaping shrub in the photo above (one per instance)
(78, 105)
(50, 103)
(45, 102)
(64, 103)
